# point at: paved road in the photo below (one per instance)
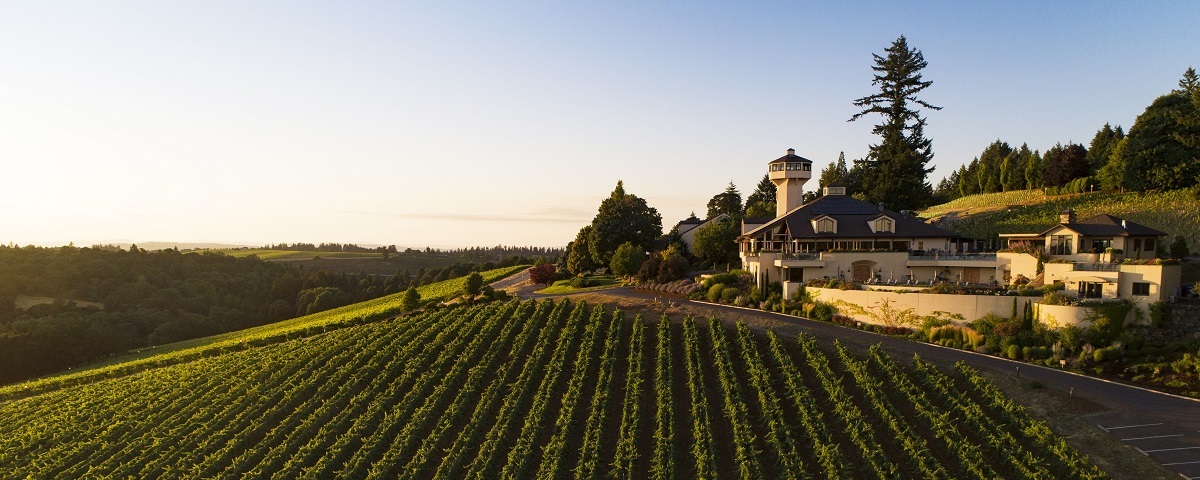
(1164, 427)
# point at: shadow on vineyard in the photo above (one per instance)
(536, 389)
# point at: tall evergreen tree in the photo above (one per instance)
(728, 202)
(1018, 179)
(966, 179)
(1033, 171)
(1101, 148)
(991, 163)
(896, 168)
(834, 173)
(761, 203)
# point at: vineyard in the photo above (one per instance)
(307, 325)
(529, 389)
(1028, 211)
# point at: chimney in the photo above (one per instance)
(1123, 226)
(881, 206)
(1067, 217)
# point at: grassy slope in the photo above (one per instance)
(1029, 211)
(187, 350)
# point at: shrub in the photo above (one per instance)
(822, 311)
(714, 292)
(579, 282)
(730, 294)
(726, 278)
(1159, 313)
(944, 288)
(1014, 352)
(543, 273)
(1055, 298)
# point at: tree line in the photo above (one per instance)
(1160, 152)
(152, 298)
(496, 253)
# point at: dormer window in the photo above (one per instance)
(884, 224)
(826, 225)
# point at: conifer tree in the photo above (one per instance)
(761, 203)
(896, 168)
(835, 173)
(728, 202)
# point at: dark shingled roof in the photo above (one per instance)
(853, 217)
(791, 157)
(1108, 226)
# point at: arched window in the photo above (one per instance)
(826, 225)
(884, 225)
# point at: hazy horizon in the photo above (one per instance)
(477, 124)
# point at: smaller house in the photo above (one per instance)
(687, 228)
(1101, 257)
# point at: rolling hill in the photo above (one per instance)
(179, 352)
(527, 389)
(1028, 211)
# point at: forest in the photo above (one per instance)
(63, 307)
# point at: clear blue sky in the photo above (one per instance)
(452, 124)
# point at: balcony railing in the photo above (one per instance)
(979, 257)
(1097, 267)
(802, 256)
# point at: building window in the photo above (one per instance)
(1137, 245)
(1148, 245)
(883, 225)
(1060, 245)
(807, 167)
(1141, 289)
(1100, 245)
(825, 225)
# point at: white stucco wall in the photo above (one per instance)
(971, 307)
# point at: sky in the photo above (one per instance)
(506, 123)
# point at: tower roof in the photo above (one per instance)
(790, 158)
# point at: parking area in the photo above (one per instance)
(1174, 446)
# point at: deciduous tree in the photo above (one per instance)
(473, 284)
(1061, 164)
(715, 242)
(623, 217)
(543, 274)
(411, 299)
(627, 260)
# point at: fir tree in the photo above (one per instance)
(728, 202)
(761, 203)
(835, 173)
(896, 171)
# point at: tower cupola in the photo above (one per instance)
(789, 173)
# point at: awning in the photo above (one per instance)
(1089, 280)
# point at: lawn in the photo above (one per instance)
(597, 282)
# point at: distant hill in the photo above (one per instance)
(1029, 211)
(182, 245)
